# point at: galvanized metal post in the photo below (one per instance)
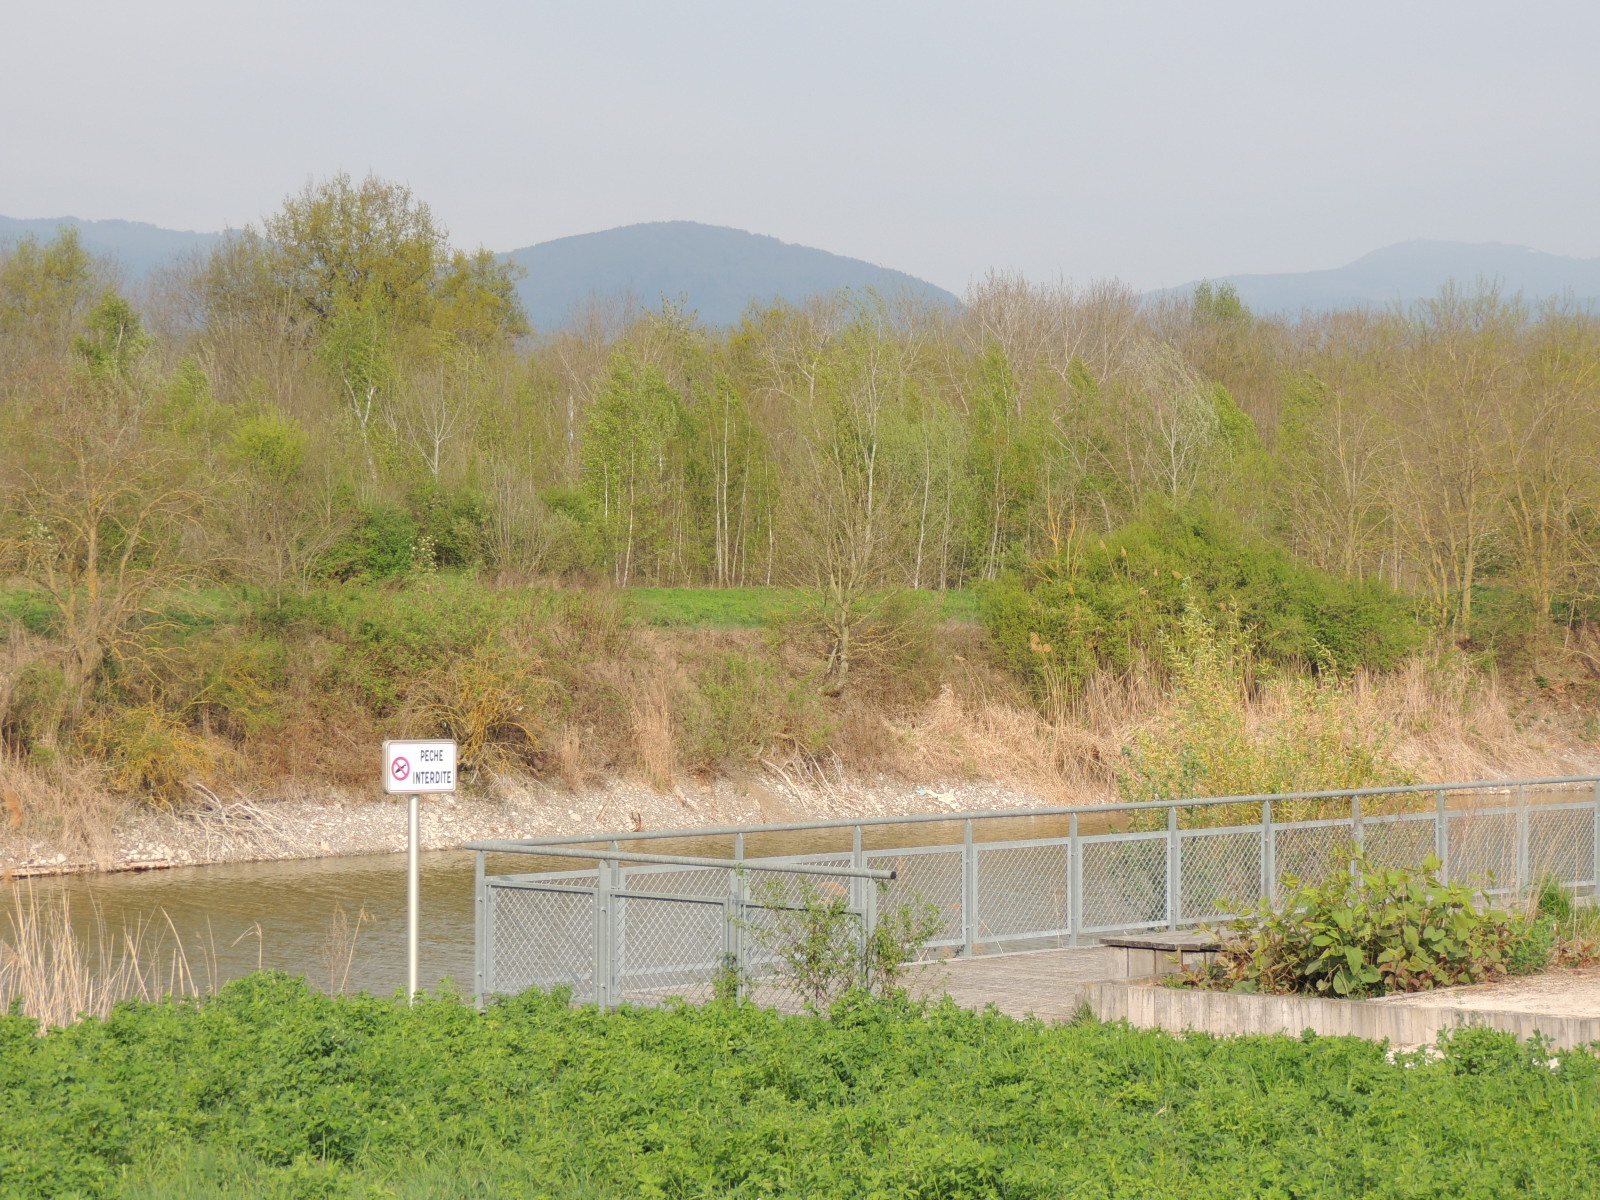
(858, 892)
(1594, 874)
(618, 941)
(1441, 836)
(1356, 833)
(1269, 855)
(1075, 879)
(733, 919)
(1523, 882)
(969, 890)
(1174, 878)
(480, 934)
(603, 932)
(413, 897)
(736, 917)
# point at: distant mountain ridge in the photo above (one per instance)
(717, 270)
(138, 247)
(1411, 271)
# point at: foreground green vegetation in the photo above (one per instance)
(267, 1090)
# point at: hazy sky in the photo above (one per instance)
(1159, 142)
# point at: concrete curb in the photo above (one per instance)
(1181, 1010)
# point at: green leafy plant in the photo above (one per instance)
(268, 1089)
(1374, 929)
(822, 947)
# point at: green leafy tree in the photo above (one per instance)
(45, 288)
(113, 340)
(624, 463)
(1004, 464)
(374, 245)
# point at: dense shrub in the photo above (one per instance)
(379, 544)
(743, 708)
(269, 1091)
(1214, 742)
(382, 639)
(1370, 930)
(1109, 603)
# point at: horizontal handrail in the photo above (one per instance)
(681, 860)
(523, 845)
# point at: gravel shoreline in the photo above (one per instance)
(332, 824)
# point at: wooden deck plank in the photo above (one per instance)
(1034, 983)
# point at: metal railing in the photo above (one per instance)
(636, 926)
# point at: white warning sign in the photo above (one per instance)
(415, 768)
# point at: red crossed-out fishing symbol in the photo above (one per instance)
(400, 769)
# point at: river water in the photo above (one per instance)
(231, 919)
(234, 918)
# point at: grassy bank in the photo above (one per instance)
(221, 692)
(268, 1090)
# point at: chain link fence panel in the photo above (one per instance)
(925, 876)
(1022, 892)
(540, 938)
(667, 947)
(1220, 873)
(1483, 849)
(1561, 844)
(1124, 882)
(1399, 842)
(1310, 853)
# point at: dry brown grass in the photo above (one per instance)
(1451, 722)
(65, 803)
(1442, 720)
(566, 751)
(654, 742)
(56, 970)
(339, 946)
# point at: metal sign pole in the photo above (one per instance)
(413, 901)
(414, 768)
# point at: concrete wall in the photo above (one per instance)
(1134, 962)
(1178, 1010)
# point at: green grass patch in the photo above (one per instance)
(751, 607)
(268, 1090)
(710, 608)
(31, 611)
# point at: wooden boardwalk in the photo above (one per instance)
(1047, 984)
(1035, 983)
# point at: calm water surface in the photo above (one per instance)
(234, 918)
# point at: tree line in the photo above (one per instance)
(340, 394)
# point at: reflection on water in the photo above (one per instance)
(235, 917)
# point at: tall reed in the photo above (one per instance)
(56, 972)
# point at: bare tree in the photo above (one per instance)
(95, 523)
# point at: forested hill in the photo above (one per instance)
(718, 270)
(1411, 271)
